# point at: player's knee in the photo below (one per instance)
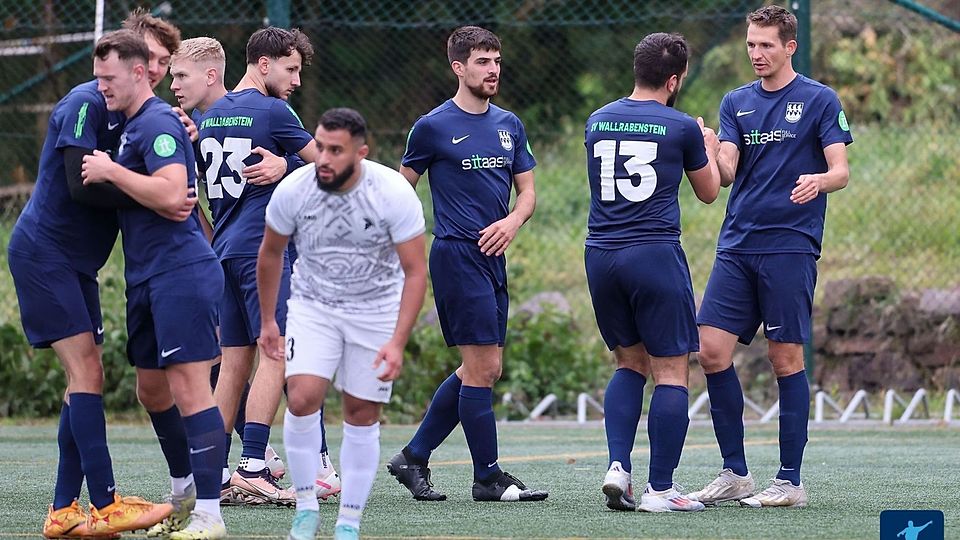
(713, 359)
(786, 362)
(86, 375)
(358, 412)
(301, 404)
(153, 396)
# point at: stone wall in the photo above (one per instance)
(870, 335)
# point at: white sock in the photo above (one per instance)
(225, 475)
(301, 438)
(359, 460)
(209, 506)
(180, 485)
(250, 464)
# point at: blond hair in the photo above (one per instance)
(202, 50)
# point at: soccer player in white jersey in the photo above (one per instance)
(359, 283)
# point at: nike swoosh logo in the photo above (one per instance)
(99, 330)
(202, 450)
(165, 354)
(785, 469)
(744, 113)
(458, 140)
(491, 464)
(112, 125)
(111, 489)
(769, 328)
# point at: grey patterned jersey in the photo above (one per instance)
(347, 260)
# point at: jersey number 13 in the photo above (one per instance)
(641, 154)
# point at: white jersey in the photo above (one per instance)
(346, 255)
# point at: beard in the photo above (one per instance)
(338, 179)
(672, 100)
(481, 92)
(273, 91)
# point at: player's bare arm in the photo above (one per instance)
(309, 152)
(496, 237)
(727, 161)
(809, 186)
(206, 226)
(188, 123)
(414, 265)
(164, 192)
(411, 175)
(706, 180)
(269, 270)
(270, 169)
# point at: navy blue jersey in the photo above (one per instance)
(52, 225)
(229, 129)
(152, 139)
(471, 159)
(636, 154)
(781, 135)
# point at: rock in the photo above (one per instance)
(537, 303)
(940, 301)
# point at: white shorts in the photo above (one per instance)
(325, 343)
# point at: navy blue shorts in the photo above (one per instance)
(172, 317)
(643, 294)
(470, 290)
(774, 288)
(56, 301)
(240, 305)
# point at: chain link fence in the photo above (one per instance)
(897, 74)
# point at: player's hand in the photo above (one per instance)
(271, 169)
(710, 139)
(188, 124)
(496, 237)
(185, 209)
(808, 187)
(271, 346)
(96, 167)
(390, 354)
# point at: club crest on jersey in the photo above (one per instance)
(506, 141)
(794, 111)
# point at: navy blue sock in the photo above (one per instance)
(726, 410)
(323, 434)
(205, 439)
(622, 405)
(442, 417)
(173, 440)
(240, 423)
(794, 416)
(667, 428)
(480, 429)
(89, 429)
(69, 469)
(227, 441)
(255, 437)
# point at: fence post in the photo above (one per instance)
(801, 9)
(278, 13)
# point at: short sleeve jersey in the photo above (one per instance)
(636, 154)
(781, 135)
(233, 126)
(52, 225)
(152, 139)
(347, 259)
(471, 160)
